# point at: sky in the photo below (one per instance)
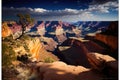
(64, 10)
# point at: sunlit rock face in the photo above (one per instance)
(77, 31)
(6, 31)
(41, 29)
(49, 43)
(60, 34)
(61, 71)
(104, 63)
(37, 50)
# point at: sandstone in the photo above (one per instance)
(104, 63)
(74, 52)
(112, 41)
(93, 47)
(98, 60)
(61, 38)
(61, 71)
(50, 43)
(6, 31)
(79, 39)
(38, 51)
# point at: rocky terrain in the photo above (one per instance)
(107, 39)
(35, 56)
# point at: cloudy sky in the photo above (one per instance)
(65, 10)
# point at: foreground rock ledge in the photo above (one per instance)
(103, 67)
(61, 71)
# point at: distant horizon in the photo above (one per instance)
(66, 21)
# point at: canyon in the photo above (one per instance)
(93, 57)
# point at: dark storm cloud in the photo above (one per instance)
(43, 14)
(13, 11)
(102, 1)
(39, 11)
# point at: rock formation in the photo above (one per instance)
(74, 51)
(104, 63)
(61, 71)
(6, 31)
(106, 68)
(38, 51)
(107, 39)
(75, 54)
(60, 34)
(77, 31)
(49, 43)
(94, 47)
(111, 41)
(41, 29)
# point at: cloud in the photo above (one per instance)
(66, 14)
(71, 10)
(41, 10)
(99, 8)
(104, 8)
(102, 1)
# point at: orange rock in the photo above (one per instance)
(61, 71)
(98, 60)
(104, 63)
(6, 31)
(111, 41)
(37, 50)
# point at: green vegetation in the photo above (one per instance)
(8, 39)
(49, 60)
(25, 37)
(26, 48)
(17, 43)
(8, 55)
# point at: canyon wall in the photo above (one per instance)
(38, 51)
(111, 41)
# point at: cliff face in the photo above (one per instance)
(110, 36)
(75, 54)
(112, 29)
(6, 31)
(111, 41)
(49, 43)
(107, 39)
(37, 50)
(74, 51)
